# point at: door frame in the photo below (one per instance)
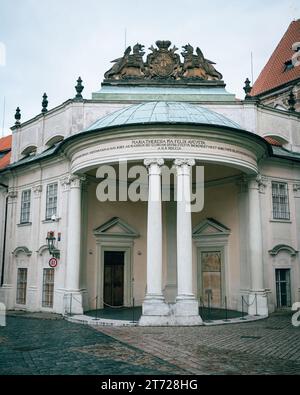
(121, 246)
(108, 239)
(211, 235)
(211, 248)
(283, 257)
(114, 249)
(276, 296)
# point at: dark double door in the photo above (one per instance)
(283, 287)
(113, 278)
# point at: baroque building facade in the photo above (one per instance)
(161, 112)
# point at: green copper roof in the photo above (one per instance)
(163, 112)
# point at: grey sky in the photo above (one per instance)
(49, 43)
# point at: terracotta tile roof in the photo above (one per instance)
(5, 160)
(5, 146)
(272, 141)
(274, 73)
(5, 143)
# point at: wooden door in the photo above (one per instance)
(113, 278)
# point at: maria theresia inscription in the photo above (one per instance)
(165, 144)
(168, 144)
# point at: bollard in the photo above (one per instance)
(256, 305)
(200, 307)
(133, 311)
(242, 308)
(71, 297)
(226, 311)
(208, 306)
(96, 315)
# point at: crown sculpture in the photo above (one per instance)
(163, 63)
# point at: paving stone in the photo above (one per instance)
(48, 345)
(43, 345)
(270, 346)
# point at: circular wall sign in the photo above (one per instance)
(53, 262)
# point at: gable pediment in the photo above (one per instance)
(210, 227)
(116, 227)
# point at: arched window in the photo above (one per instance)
(54, 140)
(29, 151)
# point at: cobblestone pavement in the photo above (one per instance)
(55, 346)
(270, 346)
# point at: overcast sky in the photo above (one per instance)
(49, 43)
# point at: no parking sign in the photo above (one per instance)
(53, 262)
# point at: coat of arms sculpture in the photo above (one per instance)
(164, 64)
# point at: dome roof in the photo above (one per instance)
(162, 112)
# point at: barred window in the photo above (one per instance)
(280, 199)
(48, 287)
(21, 286)
(25, 206)
(51, 200)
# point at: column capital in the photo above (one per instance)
(12, 193)
(258, 182)
(154, 161)
(72, 181)
(37, 190)
(296, 187)
(154, 165)
(184, 162)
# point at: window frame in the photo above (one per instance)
(48, 288)
(21, 296)
(51, 207)
(280, 201)
(25, 207)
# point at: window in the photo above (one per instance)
(29, 151)
(48, 287)
(280, 200)
(288, 65)
(51, 200)
(21, 286)
(54, 141)
(25, 206)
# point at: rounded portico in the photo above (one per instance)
(170, 254)
(159, 192)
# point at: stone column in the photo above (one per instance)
(155, 309)
(8, 290)
(260, 305)
(186, 307)
(72, 287)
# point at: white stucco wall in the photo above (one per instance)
(73, 117)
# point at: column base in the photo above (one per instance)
(155, 311)
(258, 303)
(73, 302)
(7, 296)
(186, 311)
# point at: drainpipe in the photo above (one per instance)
(4, 237)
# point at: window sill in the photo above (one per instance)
(25, 224)
(284, 221)
(48, 221)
